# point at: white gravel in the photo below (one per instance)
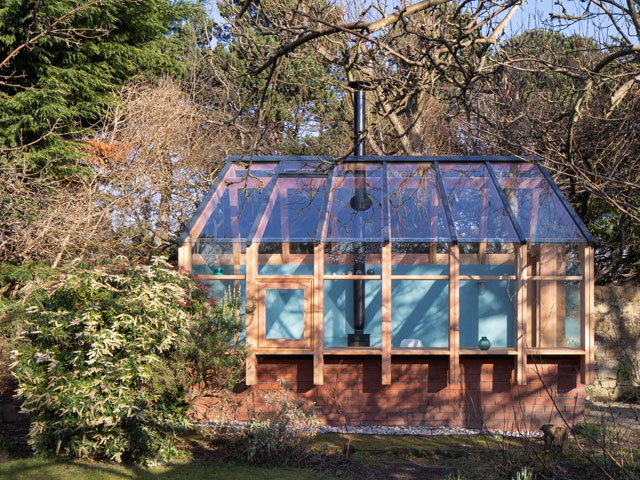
(393, 430)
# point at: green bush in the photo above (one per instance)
(104, 365)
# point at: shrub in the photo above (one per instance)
(90, 360)
(279, 434)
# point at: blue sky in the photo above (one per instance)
(533, 14)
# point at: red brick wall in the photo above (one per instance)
(419, 394)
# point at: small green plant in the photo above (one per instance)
(524, 474)
(588, 429)
(101, 361)
(625, 371)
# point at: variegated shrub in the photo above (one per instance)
(91, 358)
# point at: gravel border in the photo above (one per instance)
(391, 430)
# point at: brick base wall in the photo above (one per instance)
(419, 394)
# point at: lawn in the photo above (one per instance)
(371, 457)
(38, 469)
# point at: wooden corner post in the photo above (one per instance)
(318, 314)
(184, 256)
(522, 313)
(587, 314)
(252, 314)
(386, 313)
(454, 313)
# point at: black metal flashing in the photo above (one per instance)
(374, 158)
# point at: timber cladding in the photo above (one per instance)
(419, 394)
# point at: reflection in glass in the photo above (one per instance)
(339, 312)
(236, 203)
(536, 206)
(295, 211)
(559, 314)
(420, 313)
(355, 205)
(284, 313)
(487, 309)
(416, 212)
(476, 207)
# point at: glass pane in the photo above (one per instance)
(355, 205)
(419, 258)
(487, 259)
(236, 203)
(284, 310)
(487, 309)
(415, 207)
(295, 213)
(218, 258)
(339, 312)
(420, 313)
(535, 204)
(216, 290)
(305, 166)
(275, 258)
(554, 259)
(478, 212)
(559, 314)
(352, 258)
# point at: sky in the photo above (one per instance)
(532, 14)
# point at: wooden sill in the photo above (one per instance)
(419, 351)
(555, 351)
(353, 351)
(282, 351)
(491, 351)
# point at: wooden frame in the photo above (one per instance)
(318, 315)
(313, 285)
(252, 316)
(386, 314)
(522, 313)
(529, 277)
(307, 287)
(454, 314)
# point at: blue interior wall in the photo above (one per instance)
(487, 310)
(209, 269)
(284, 312)
(285, 269)
(420, 310)
(420, 269)
(572, 315)
(338, 308)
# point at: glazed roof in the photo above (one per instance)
(413, 199)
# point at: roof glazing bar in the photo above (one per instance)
(505, 204)
(269, 197)
(386, 217)
(445, 204)
(324, 211)
(203, 204)
(574, 216)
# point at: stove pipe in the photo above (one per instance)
(359, 202)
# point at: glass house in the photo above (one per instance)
(390, 256)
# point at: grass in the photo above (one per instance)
(38, 469)
(377, 457)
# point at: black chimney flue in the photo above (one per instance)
(360, 202)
